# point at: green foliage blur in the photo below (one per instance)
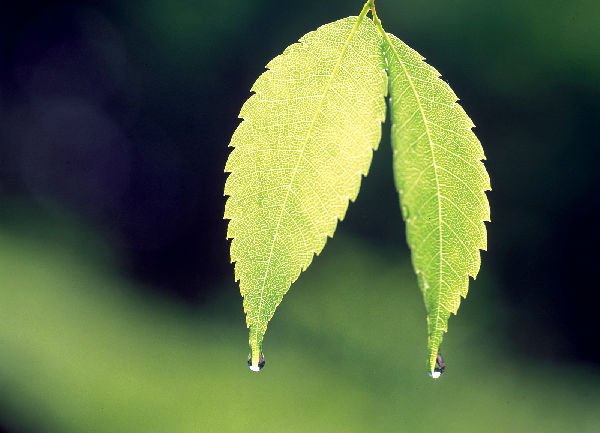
(118, 310)
(83, 351)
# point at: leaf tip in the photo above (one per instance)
(256, 359)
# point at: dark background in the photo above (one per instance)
(116, 115)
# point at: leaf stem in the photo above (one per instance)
(365, 10)
(376, 20)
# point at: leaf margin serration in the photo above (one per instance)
(394, 45)
(256, 335)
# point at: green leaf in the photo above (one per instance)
(441, 181)
(307, 139)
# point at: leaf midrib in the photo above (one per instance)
(435, 171)
(326, 90)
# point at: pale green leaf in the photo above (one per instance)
(441, 180)
(307, 139)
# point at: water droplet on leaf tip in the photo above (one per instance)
(261, 363)
(436, 374)
(440, 367)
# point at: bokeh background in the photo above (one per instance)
(118, 310)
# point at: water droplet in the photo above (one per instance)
(440, 367)
(259, 366)
(405, 212)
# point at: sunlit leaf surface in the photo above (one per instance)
(442, 184)
(299, 155)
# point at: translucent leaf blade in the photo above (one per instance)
(441, 180)
(305, 142)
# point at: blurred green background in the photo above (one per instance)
(118, 310)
